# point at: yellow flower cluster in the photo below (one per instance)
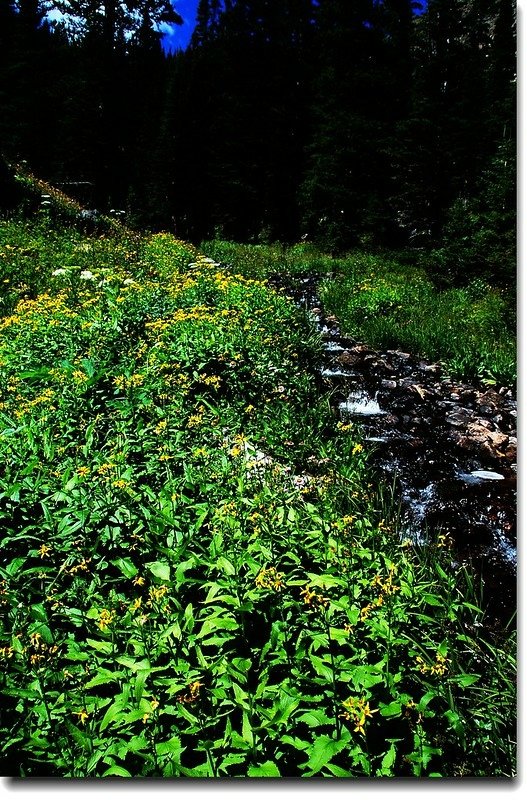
(25, 406)
(358, 711)
(82, 566)
(44, 311)
(386, 588)
(123, 382)
(439, 668)
(195, 420)
(344, 427)
(41, 651)
(193, 693)
(6, 653)
(312, 598)
(211, 380)
(156, 593)
(270, 578)
(106, 618)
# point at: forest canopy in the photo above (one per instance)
(361, 123)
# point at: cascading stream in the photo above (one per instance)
(449, 447)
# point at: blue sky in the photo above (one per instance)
(180, 35)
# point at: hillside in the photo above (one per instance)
(200, 574)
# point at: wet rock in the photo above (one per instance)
(490, 398)
(362, 348)
(460, 417)
(389, 384)
(477, 438)
(399, 354)
(485, 423)
(349, 358)
(382, 366)
(420, 390)
(483, 409)
(433, 368)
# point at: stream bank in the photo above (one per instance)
(448, 447)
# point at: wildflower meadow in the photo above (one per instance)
(200, 574)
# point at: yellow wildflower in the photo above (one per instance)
(106, 618)
(44, 550)
(270, 579)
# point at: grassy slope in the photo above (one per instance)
(198, 576)
(387, 302)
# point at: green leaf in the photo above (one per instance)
(225, 565)
(294, 741)
(266, 770)
(182, 568)
(365, 676)
(388, 760)
(392, 709)
(103, 677)
(322, 668)
(14, 566)
(323, 751)
(316, 718)
(38, 613)
(119, 772)
(75, 653)
(247, 731)
(140, 681)
(126, 567)
(172, 630)
(172, 746)
(160, 570)
(338, 772)
(282, 710)
(113, 713)
(100, 646)
(466, 680)
(217, 623)
(78, 736)
(432, 600)
(455, 723)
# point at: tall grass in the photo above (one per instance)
(388, 301)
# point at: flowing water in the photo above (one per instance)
(448, 447)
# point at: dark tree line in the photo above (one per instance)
(351, 122)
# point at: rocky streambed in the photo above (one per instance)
(449, 448)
